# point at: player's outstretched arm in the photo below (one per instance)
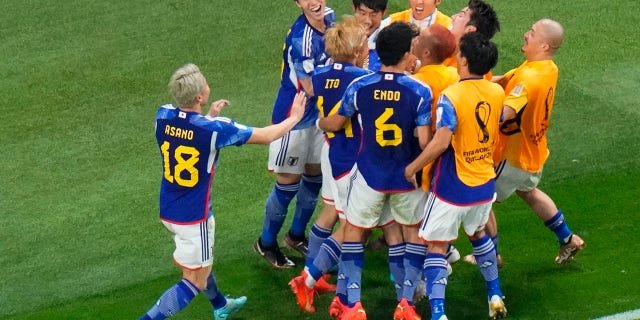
(269, 133)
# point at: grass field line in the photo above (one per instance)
(628, 315)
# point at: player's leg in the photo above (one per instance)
(546, 210)
(485, 254)
(491, 228)
(439, 227)
(362, 213)
(392, 233)
(188, 239)
(307, 196)
(311, 280)
(284, 160)
(407, 209)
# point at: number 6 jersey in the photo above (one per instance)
(391, 106)
(189, 143)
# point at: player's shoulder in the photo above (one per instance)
(356, 71)
(329, 16)
(414, 84)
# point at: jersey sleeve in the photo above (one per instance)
(446, 114)
(301, 58)
(517, 98)
(228, 131)
(348, 107)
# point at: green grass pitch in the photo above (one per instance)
(79, 232)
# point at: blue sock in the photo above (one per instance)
(214, 295)
(306, 201)
(326, 258)
(559, 227)
(276, 211)
(396, 266)
(341, 285)
(495, 239)
(352, 263)
(172, 301)
(485, 255)
(414, 256)
(436, 277)
(317, 236)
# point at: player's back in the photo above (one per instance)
(189, 144)
(391, 105)
(474, 108)
(330, 83)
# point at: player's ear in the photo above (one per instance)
(470, 28)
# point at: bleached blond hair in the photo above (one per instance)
(345, 38)
(185, 84)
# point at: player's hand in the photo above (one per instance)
(410, 175)
(413, 64)
(217, 106)
(298, 106)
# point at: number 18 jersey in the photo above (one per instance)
(189, 143)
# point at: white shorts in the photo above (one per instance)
(442, 220)
(194, 243)
(334, 192)
(368, 208)
(294, 150)
(509, 179)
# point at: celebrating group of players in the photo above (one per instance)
(401, 125)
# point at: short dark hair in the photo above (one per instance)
(394, 41)
(480, 52)
(375, 5)
(484, 18)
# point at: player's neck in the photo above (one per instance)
(317, 24)
(394, 69)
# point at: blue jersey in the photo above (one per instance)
(329, 84)
(189, 144)
(303, 52)
(373, 61)
(391, 106)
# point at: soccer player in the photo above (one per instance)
(432, 47)
(392, 107)
(463, 186)
(477, 16)
(189, 145)
(530, 90)
(295, 158)
(370, 13)
(423, 13)
(347, 45)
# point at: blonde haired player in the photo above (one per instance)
(346, 42)
(189, 144)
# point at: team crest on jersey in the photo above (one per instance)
(517, 90)
(182, 115)
(292, 161)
